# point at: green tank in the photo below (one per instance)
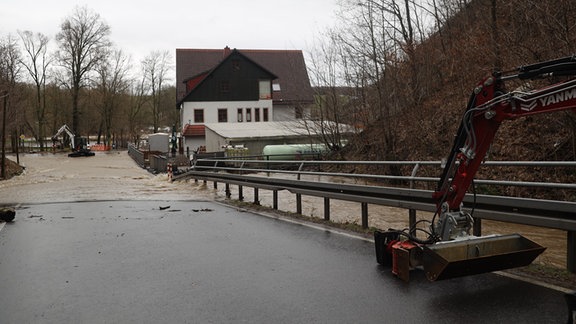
(293, 151)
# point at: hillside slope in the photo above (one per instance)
(455, 59)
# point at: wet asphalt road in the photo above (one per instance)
(202, 262)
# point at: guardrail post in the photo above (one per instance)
(240, 193)
(571, 301)
(256, 196)
(412, 221)
(299, 204)
(326, 209)
(364, 215)
(299, 170)
(227, 190)
(412, 212)
(275, 199)
(477, 227)
(571, 253)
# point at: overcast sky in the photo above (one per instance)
(139, 27)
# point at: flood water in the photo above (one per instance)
(50, 178)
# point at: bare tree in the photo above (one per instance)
(36, 63)
(156, 67)
(83, 44)
(138, 100)
(112, 85)
(371, 54)
(9, 74)
(335, 97)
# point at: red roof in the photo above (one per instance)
(288, 65)
(192, 82)
(194, 130)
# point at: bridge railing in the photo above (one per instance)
(404, 191)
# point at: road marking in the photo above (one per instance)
(533, 281)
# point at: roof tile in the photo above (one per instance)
(288, 65)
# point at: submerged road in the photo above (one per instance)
(202, 262)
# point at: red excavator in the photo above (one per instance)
(450, 250)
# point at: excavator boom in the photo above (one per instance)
(450, 251)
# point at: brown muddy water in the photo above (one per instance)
(52, 178)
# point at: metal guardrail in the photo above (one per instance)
(537, 212)
(158, 163)
(242, 166)
(136, 155)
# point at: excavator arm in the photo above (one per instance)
(488, 107)
(66, 129)
(450, 251)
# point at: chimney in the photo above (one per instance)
(226, 51)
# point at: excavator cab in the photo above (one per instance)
(82, 148)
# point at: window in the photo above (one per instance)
(222, 115)
(265, 114)
(248, 114)
(265, 92)
(275, 87)
(235, 65)
(198, 115)
(256, 114)
(239, 115)
(224, 86)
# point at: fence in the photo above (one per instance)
(156, 162)
(136, 155)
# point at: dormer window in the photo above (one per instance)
(235, 65)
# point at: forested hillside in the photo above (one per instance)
(416, 79)
(465, 51)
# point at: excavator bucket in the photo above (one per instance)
(450, 259)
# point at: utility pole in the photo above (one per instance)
(5, 97)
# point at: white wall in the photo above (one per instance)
(191, 144)
(288, 113)
(214, 142)
(211, 110)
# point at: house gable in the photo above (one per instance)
(291, 87)
(235, 78)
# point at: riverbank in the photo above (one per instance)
(12, 169)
